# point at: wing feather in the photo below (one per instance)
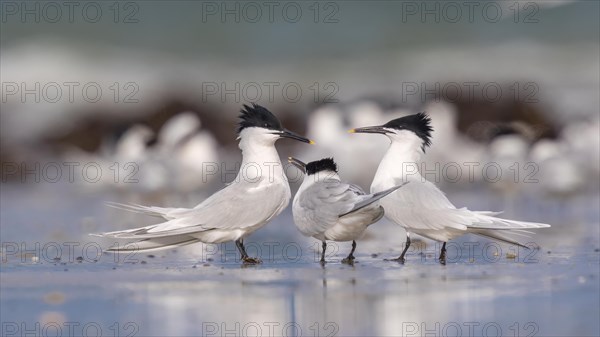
(421, 205)
(321, 204)
(240, 205)
(237, 206)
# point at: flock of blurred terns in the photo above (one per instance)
(175, 159)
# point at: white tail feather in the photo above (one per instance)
(504, 236)
(155, 244)
(148, 210)
(492, 222)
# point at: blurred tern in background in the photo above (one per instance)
(329, 124)
(583, 141)
(420, 207)
(452, 147)
(153, 165)
(559, 174)
(132, 145)
(328, 209)
(188, 149)
(507, 152)
(234, 212)
(128, 163)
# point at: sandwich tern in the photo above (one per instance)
(421, 207)
(328, 209)
(234, 212)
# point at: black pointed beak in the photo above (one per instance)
(299, 164)
(369, 129)
(289, 134)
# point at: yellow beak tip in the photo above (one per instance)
(311, 142)
(352, 131)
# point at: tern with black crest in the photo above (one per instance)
(328, 209)
(421, 207)
(234, 212)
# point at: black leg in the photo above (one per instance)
(350, 258)
(245, 258)
(323, 252)
(401, 258)
(240, 246)
(443, 254)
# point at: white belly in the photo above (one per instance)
(220, 235)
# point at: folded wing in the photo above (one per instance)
(421, 205)
(237, 206)
(323, 203)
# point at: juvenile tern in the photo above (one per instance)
(328, 209)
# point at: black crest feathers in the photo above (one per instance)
(257, 116)
(325, 164)
(418, 123)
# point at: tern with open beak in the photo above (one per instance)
(328, 209)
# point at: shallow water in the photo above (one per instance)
(485, 289)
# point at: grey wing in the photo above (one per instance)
(356, 189)
(323, 202)
(366, 200)
(240, 205)
(421, 205)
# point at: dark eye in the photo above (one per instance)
(266, 125)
